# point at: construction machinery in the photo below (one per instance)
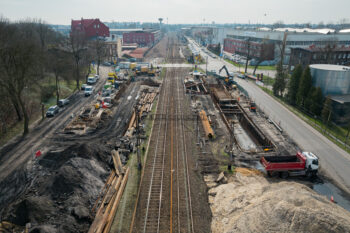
(111, 77)
(229, 77)
(305, 163)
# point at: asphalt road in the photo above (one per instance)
(334, 162)
(22, 151)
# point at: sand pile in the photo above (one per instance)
(253, 204)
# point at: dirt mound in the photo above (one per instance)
(63, 188)
(253, 204)
(55, 159)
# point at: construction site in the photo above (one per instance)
(172, 150)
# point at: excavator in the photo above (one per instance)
(229, 78)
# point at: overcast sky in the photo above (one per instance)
(179, 11)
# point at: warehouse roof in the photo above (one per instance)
(330, 67)
(341, 98)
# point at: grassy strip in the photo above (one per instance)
(66, 89)
(125, 210)
(251, 67)
(162, 73)
(315, 123)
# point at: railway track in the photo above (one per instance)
(164, 201)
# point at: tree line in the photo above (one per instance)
(300, 92)
(32, 57)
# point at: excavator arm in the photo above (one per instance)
(225, 68)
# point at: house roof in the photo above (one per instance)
(138, 53)
(83, 22)
(321, 49)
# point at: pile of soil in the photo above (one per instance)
(64, 186)
(251, 203)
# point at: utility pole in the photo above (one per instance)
(248, 54)
(206, 66)
(137, 115)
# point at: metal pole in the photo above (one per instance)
(139, 165)
(206, 67)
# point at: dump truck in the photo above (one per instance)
(301, 164)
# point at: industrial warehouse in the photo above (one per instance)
(163, 126)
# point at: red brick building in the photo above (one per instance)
(143, 38)
(257, 50)
(320, 55)
(90, 27)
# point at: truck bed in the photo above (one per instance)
(283, 163)
(282, 159)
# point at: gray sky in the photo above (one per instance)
(179, 11)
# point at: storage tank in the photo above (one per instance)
(333, 79)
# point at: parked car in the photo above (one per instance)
(97, 77)
(91, 80)
(242, 76)
(52, 111)
(88, 90)
(83, 86)
(63, 102)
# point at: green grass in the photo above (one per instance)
(125, 210)
(162, 73)
(223, 168)
(268, 80)
(252, 67)
(317, 124)
(66, 89)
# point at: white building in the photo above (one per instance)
(303, 38)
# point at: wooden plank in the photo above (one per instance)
(103, 191)
(116, 203)
(104, 204)
(101, 219)
(117, 163)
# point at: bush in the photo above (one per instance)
(48, 92)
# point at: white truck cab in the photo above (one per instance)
(311, 163)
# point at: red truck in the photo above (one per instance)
(305, 163)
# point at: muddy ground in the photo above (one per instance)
(56, 192)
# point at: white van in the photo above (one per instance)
(88, 90)
(91, 80)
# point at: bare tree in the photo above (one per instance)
(278, 24)
(60, 65)
(18, 57)
(262, 56)
(327, 47)
(248, 45)
(99, 49)
(78, 46)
